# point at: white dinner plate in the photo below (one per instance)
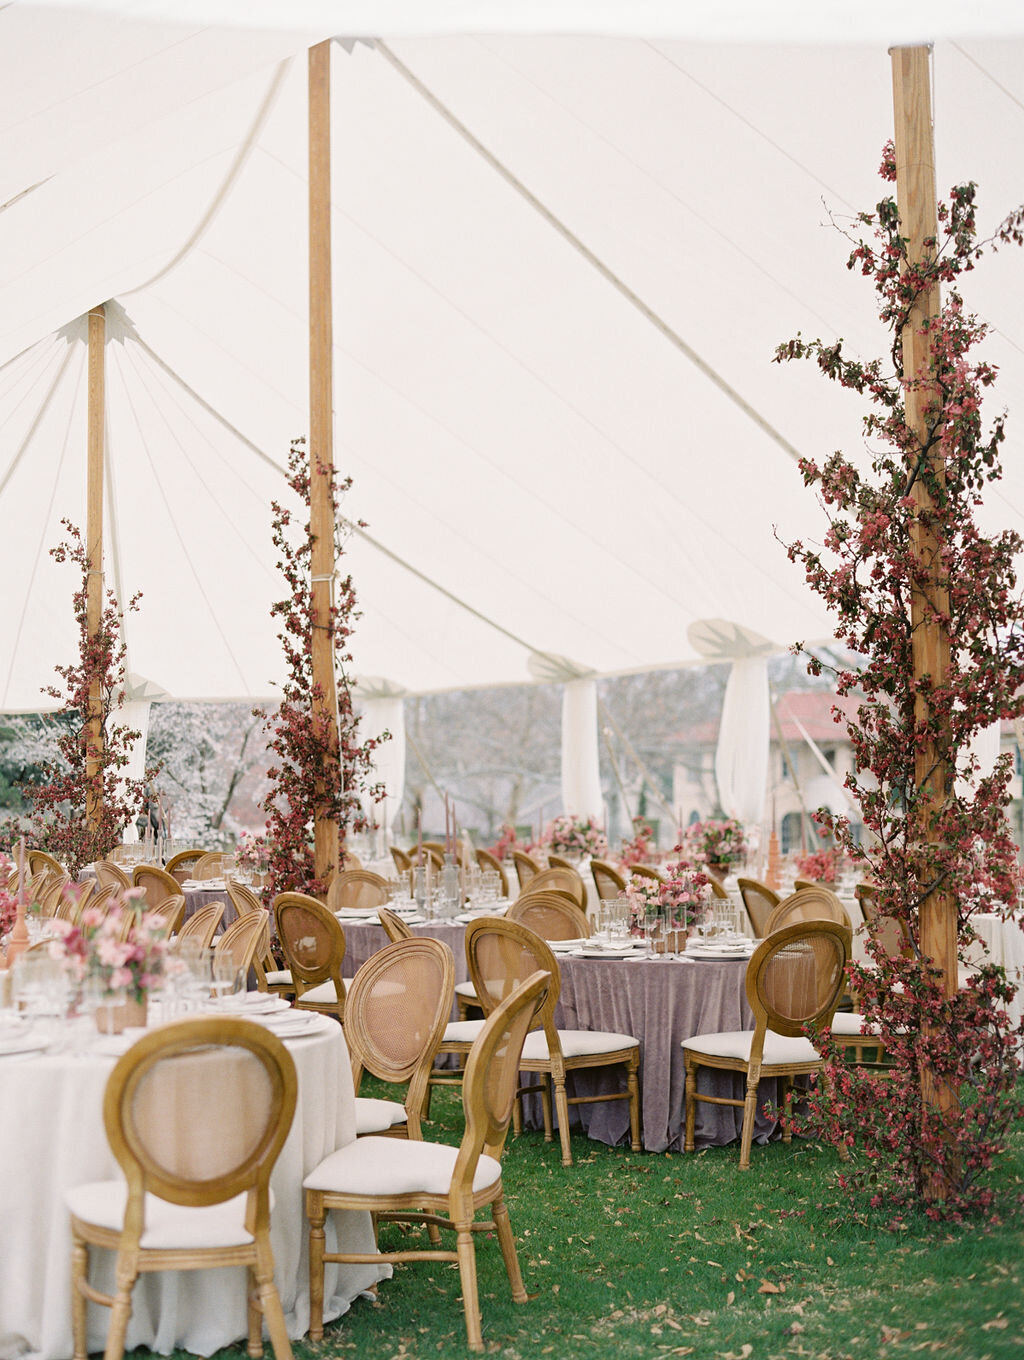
(603, 952)
(357, 913)
(296, 1025)
(720, 955)
(21, 1043)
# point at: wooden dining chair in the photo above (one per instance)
(565, 880)
(314, 948)
(244, 940)
(157, 884)
(491, 863)
(180, 866)
(718, 888)
(607, 880)
(807, 904)
(393, 925)
(550, 915)
(196, 1189)
(435, 1184)
(525, 865)
(269, 977)
(402, 861)
(795, 978)
(52, 893)
(760, 901)
(201, 925)
(38, 860)
(111, 875)
(357, 888)
(210, 864)
(646, 871)
(396, 1009)
(171, 911)
(500, 953)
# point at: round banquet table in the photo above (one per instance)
(52, 1138)
(660, 1002)
(363, 939)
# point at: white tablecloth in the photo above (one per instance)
(52, 1137)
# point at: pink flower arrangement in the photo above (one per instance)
(506, 842)
(821, 867)
(568, 835)
(679, 897)
(716, 841)
(640, 849)
(94, 947)
(252, 851)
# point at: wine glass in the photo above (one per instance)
(227, 978)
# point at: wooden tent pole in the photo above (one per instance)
(321, 431)
(94, 549)
(915, 192)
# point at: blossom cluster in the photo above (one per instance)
(640, 848)
(820, 867)
(569, 835)
(506, 842)
(252, 851)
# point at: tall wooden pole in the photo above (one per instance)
(915, 192)
(94, 548)
(321, 429)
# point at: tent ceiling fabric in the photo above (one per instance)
(524, 228)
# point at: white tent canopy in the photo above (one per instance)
(561, 267)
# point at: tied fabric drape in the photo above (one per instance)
(581, 774)
(386, 713)
(741, 759)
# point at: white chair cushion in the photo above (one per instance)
(465, 989)
(281, 977)
(168, 1226)
(390, 1166)
(849, 1023)
(576, 1043)
(462, 1031)
(324, 994)
(372, 1116)
(778, 1048)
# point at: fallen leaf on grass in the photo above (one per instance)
(768, 1288)
(745, 1350)
(794, 1329)
(997, 1324)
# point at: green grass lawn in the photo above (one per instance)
(663, 1255)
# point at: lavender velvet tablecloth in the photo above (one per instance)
(659, 1002)
(362, 940)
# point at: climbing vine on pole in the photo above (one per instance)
(867, 569)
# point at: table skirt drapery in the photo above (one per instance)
(52, 1138)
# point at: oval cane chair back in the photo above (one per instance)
(211, 864)
(201, 925)
(718, 888)
(760, 901)
(550, 915)
(269, 978)
(38, 860)
(396, 1010)
(357, 888)
(180, 866)
(52, 893)
(157, 884)
(243, 899)
(491, 863)
(807, 904)
(111, 875)
(245, 939)
(431, 858)
(394, 927)
(314, 948)
(563, 880)
(607, 880)
(238, 1083)
(526, 867)
(501, 954)
(402, 861)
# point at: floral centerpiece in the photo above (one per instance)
(94, 949)
(252, 852)
(506, 842)
(8, 900)
(820, 867)
(640, 849)
(575, 836)
(678, 899)
(719, 843)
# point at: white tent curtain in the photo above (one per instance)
(386, 713)
(581, 774)
(134, 714)
(741, 759)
